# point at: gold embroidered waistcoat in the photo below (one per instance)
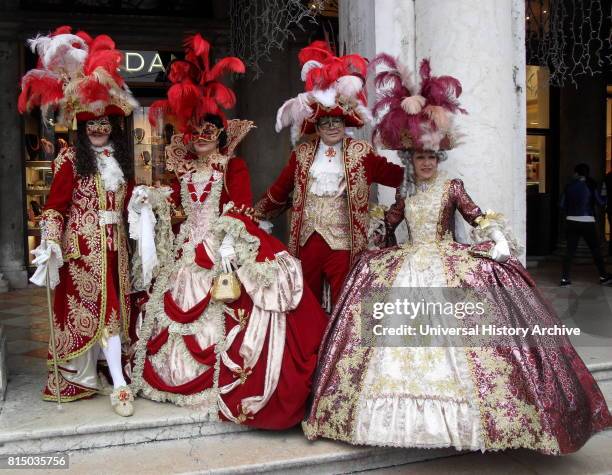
(328, 216)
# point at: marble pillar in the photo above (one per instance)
(480, 43)
(483, 45)
(12, 241)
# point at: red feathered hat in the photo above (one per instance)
(196, 89)
(333, 87)
(411, 117)
(77, 76)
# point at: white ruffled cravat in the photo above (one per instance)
(110, 171)
(327, 171)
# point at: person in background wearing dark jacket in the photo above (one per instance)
(578, 202)
(608, 193)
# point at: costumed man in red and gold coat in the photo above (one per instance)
(83, 253)
(330, 175)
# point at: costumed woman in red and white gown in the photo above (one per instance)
(84, 240)
(249, 360)
(505, 393)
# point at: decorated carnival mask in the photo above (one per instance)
(101, 126)
(98, 131)
(206, 132)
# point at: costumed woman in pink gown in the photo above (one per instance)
(489, 397)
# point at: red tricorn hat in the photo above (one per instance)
(77, 76)
(333, 87)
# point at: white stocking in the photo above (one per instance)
(112, 353)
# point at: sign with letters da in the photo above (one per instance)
(145, 66)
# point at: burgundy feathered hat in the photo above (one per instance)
(196, 89)
(333, 87)
(411, 117)
(77, 76)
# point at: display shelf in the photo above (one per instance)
(38, 191)
(39, 163)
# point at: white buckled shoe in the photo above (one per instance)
(121, 401)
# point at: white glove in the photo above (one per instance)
(227, 253)
(266, 226)
(48, 259)
(501, 250)
(140, 197)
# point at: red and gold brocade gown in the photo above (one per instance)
(476, 398)
(251, 361)
(91, 300)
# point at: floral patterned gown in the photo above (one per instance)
(486, 397)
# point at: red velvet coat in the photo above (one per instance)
(362, 167)
(82, 298)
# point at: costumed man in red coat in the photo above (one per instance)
(83, 253)
(330, 174)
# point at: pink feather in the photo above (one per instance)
(413, 104)
(439, 116)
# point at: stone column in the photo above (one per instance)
(368, 28)
(483, 45)
(12, 225)
(480, 43)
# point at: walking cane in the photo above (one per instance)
(53, 349)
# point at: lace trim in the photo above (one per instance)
(327, 183)
(490, 221)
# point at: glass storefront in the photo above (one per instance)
(538, 163)
(538, 127)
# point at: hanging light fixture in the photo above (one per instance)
(570, 37)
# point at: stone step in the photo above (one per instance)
(33, 426)
(29, 425)
(286, 453)
(601, 371)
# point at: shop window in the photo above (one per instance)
(149, 149)
(41, 146)
(536, 162)
(538, 127)
(538, 94)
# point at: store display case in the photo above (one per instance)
(41, 145)
(536, 162)
(149, 147)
